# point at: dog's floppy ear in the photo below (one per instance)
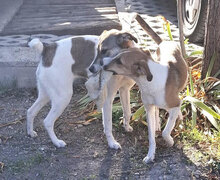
(141, 68)
(124, 40)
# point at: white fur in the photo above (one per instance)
(154, 88)
(37, 44)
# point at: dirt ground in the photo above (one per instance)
(87, 155)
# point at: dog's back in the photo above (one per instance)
(169, 53)
(75, 52)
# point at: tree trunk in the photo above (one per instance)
(212, 38)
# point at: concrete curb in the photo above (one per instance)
(17, 67)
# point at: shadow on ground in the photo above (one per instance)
(87, 155)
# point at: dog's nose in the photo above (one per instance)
(92, 69)
(149, 78)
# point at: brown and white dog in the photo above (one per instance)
(65, 60)
(159, 81)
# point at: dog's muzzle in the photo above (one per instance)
(95, 68)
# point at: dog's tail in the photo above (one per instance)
(148, 29)
(36, 44)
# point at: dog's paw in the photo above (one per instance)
(169, 140)
(114, 145)
(32, 134)
(128, 128)
(148, 159)
(60, 143)
(157, 128)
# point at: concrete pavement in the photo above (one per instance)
(63, 17)
(7, 11)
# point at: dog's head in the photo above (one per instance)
(132, 62)
(110, 44)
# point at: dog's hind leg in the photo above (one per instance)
(41, 101)
(173, 114)
(125, 101)
(59, 102)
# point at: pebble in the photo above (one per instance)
(160, 178)
(10, 127)
(42, 148)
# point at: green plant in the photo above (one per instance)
(202, 96)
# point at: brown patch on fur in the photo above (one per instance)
(124, 40)
(83, 53)
(48, 54)
(176, 80)
(114, 37)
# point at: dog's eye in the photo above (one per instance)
(103, 51)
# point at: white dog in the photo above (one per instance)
(67, 59)
(159, 81)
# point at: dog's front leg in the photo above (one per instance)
(150, 110)
(125, 101)
(107, 124)
(112, 88)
